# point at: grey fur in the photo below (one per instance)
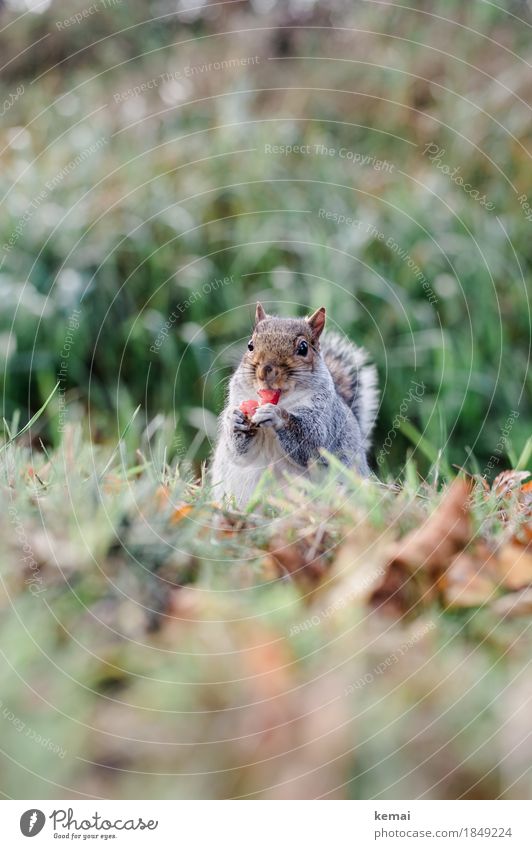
(363, 377)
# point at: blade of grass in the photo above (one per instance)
(31, 422)
(120, 441)
(473, 461)
(431, 453)
(511, 454)
(525, 455)
(411, 475)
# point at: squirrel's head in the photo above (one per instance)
(283, 352)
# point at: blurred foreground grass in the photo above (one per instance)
(152, 643)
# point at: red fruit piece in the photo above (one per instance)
(269, 396)
(249, 408)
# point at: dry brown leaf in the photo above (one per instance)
(301, 558)
(469, 582)
(418, 561)
(475, 575)
(508, 481)
(515, 511)
(446, 531)
(399, 591)
(514, 566)
(514, 604)
(357, 569)
(524, 533)
(179, 513)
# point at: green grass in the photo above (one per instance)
(229, 654)
(165, 646)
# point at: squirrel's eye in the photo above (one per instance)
(250, 345)
(302, 349)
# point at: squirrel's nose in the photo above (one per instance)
(267, 371)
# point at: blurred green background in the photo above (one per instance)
(151, 193)
(138, 169)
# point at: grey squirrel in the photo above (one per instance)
(327, 399)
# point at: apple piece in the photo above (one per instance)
(249, 408)
(269, 396)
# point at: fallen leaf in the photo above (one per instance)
(179, 513)
(508, 481)
(417, 562)
(468, 582)
(514, 566)
(303, 557)
(446, 531)
(514, 604)
(475, 575)
(398, 591)
(515, 503)
(357, 569)
(523, 534)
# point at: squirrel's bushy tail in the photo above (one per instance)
(354, 377)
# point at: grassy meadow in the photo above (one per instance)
(162, 171)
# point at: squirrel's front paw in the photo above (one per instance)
(241, 423)
(269, 415)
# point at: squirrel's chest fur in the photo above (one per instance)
(239, 474)
(243, 473)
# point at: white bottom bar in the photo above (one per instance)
(267, 825)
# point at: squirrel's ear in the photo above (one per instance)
(260, 315)
(317, 322)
